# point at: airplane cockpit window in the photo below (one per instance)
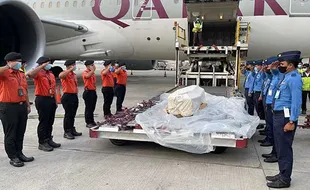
(67, 4)
(42, 5)
(75, 4)
(83, 3)
(34, 5)
(92, 3)
(50, 4)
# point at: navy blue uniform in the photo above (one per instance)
(249, 81)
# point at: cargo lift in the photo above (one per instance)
(225, 42)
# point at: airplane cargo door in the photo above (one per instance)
(300, 8)
(142, 9)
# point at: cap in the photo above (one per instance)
(258, 62)
(13, 56)
(23, 61)
(42, 60)
(106, 63)
(89, 62)
(249, 62)
(270, 60)
(122, 64)
(289, 56)
(306, 65)
(69, 62)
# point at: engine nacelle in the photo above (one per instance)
(21, 31)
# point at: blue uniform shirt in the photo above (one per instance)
(249, 80)
(290, 94)
(258, 82)
(267, 80)
(271, 91)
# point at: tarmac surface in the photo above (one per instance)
(86, 163)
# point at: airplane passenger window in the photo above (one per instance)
(67, 4)
(50, 5)
(75, 4)
(83, 3)
(34, 5)
(58, 4)
(42, 5)
(92, 3)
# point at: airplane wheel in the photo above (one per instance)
(118, 142)
(219, 150)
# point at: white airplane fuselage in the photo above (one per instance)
(130, 29)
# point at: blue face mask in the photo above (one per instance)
(17, 66)
(48, 67)
(124, 68)
(112, 69)
(255, 69)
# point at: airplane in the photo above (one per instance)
(143, 29)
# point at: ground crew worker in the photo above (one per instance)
(300, 69)
(305, 88)
(90, 94)
(276, 77)
(115, 65)
(249, 81)
(286, 111)
(23, 70)
(69, 100)
(107, 88)
(121, 75)
(197, 31)
(255, 90)
(14, 108)
(45, 102)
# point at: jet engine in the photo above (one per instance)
(21, 31)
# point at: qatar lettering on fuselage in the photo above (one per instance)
(166, 9)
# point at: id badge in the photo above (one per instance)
(277, 95)
(20, 92)
(269, 92)
(286, 112)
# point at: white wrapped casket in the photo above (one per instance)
(186, 101)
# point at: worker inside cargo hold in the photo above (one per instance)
(197, 31)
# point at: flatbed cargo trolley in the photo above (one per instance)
(220, 140)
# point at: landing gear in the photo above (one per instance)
(118, 142)
(219, 150)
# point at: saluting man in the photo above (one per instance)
(89, 95)
(249, 82)
(69, 100)
(14, 108)
(107, 88)
(45, 102)
(120, 89)
(286, 111)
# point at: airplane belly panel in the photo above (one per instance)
(271, 35)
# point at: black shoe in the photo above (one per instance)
(278, 184)
(53, 144)
(24, 158)
(272, 159)
(69, 136)
(45, 147)
(273, 178)
(75, 133)
(267, 155)
(261, 141)
(265, 144)
(16, 162)
(260, 126)
(91, 125)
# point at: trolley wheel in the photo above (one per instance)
(118, 142)
(219, 150)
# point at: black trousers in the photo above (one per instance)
(250, 102)
(199, 36)
(108, 94)
(90, 99)
(305, 94)
(120, 94)
(14, 121)
(259, 106)
(70, 103)
(46, 107)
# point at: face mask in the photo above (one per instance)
(112, 69)
(124, 68)
(48, 67)
(17, 66)
(282, 69)
(255, 69)
(299, 66)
